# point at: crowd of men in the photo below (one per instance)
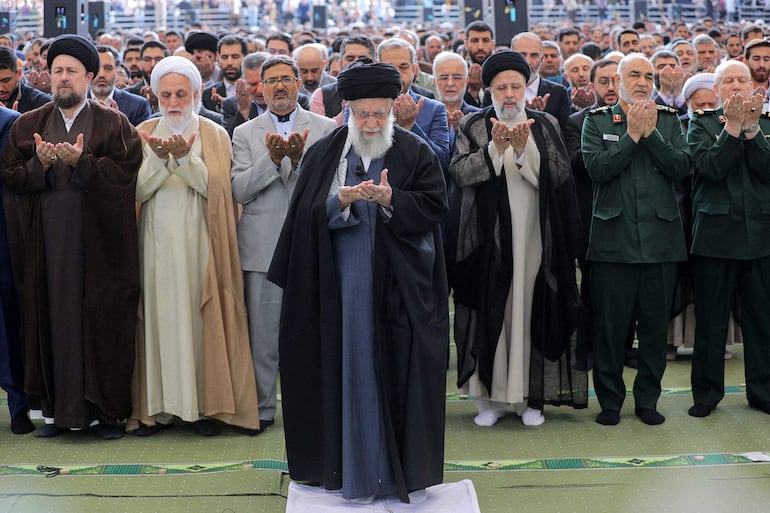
(183, 214)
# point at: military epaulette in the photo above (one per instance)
(665, 108)
(705, 112)
(603, 108)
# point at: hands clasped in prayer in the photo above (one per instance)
(367, 191)
(642, 118)
(742, 114)
(47, 152)
(175, 145)
(406, 110)
(538, 102)
(515, 136)
(291, 147)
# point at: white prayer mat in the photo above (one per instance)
(457, 497)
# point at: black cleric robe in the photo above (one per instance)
(410, 314)
(73, 242)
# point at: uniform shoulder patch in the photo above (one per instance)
(603, 108)
(705, 112)
(666, 108)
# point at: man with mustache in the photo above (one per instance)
(71, 166)
(633, 151)
(757, 57)
(266, 153)
(192, 324)
(311, 60)
(364, 320)
(730, 247)
(230, 51)
(512, 325)
(479, 44)
(136, 108)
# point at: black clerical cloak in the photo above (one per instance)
(411, 318)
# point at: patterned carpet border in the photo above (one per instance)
(449, 466)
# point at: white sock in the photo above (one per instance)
(532, 417)
(488, 418)
(418, 496)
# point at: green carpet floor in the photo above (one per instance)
(570, 464)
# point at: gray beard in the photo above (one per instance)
(508, 114)
(374, 146)
(67, 101)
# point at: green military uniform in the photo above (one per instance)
(635, 241)
(731, 249)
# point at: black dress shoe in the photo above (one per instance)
(48, 431)
(608, 417)
(263, 425)
(108, 431)
(206, 427)
(699, 410)
(144, 430)
(763, 406)
(21, 425)
(650, 417)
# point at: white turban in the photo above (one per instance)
(695, 82)
(175, 64)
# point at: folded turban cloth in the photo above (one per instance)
(366, 79)
(75, 46)
(699, 81)
(175, 64)
(201, 41)
(503, 60)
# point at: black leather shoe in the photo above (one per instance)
(763, 406)
(608, 417)
(48, 431)
(205, 427)
(650, 417)
(21, 425)
(699, 410)
(108, 431)
(144, 430)
(263, 425)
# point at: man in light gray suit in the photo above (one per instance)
(266, 153)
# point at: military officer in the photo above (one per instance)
(634, 151)
(731, 249)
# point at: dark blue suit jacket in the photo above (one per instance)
(558, 105)
(432, 127)
(136, 108)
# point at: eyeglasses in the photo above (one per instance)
(446, 78)
(380, 115)
(285, 80)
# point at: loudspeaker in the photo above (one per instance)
(7, 22)
(319, 17)
(65, 17)
(511, 18)
(97, 14)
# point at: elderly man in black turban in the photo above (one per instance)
(365, 324)
(69, 173)
(515, 300)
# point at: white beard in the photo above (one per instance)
(507, 113)
(372, 146)
(177, 122)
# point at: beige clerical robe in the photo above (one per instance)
(193, 355)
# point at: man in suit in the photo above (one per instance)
(730, 248)
(605, 91)
(136, 108)
(151, 54)
(311, 61)
(231, 51)
(479, 45)
(668, 81)
(542, 95)
(266, 152)
(14, 93)
(422, 116)
(634, 152)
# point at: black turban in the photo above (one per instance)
(201, 41)
(365, 79)
(503, 60)
(75, 46)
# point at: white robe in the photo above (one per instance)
(174, 249)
